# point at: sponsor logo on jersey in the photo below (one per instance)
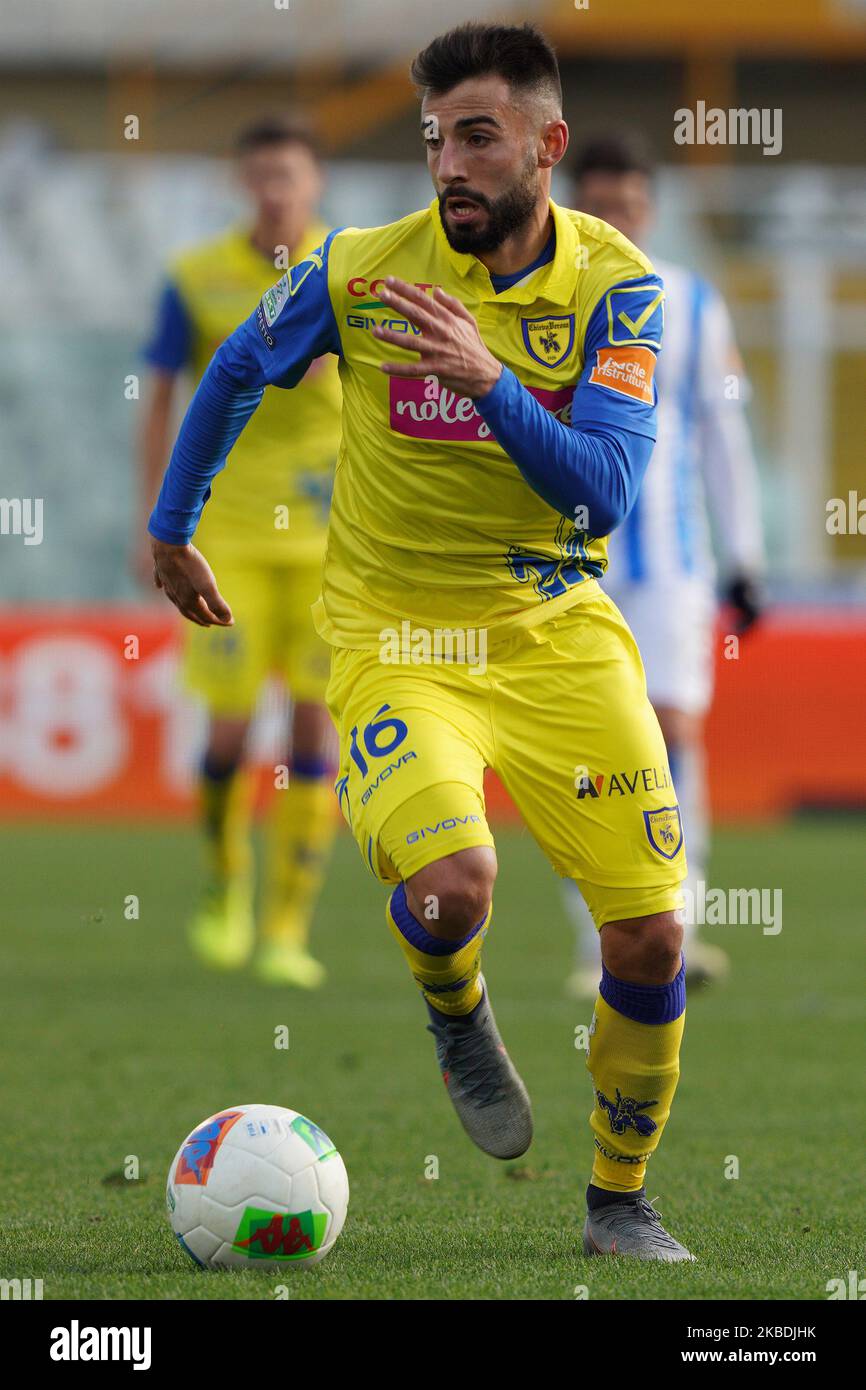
(359, 286)
(549, 340)
(452, 418)
(628, 371)
(664, 830)
(646, 779)
(365, 320)
(635, 315)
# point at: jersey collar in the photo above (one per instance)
(556, 281)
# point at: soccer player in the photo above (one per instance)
(265, 528)
(662, 573)
(497, 355)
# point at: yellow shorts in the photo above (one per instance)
(561, 713)
(273, 634)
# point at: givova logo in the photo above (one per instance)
(362, 316)
(450, 823)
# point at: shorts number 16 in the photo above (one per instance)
(380, 737)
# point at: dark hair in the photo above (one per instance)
(613, 154)
(518, 52)
(276, 130)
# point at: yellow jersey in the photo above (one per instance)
(272, 502)
(432, 522)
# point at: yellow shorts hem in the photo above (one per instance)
(440, 805)
(617, 904)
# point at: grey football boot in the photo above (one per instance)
(631, 1228)
(491, 1101)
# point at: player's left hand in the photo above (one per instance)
(449, 347)
(745, 594)
(187, 579)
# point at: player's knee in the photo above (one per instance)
(452, 895)
(644, 950)
(225, 745)
(312, 732)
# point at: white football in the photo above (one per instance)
(257, 1187)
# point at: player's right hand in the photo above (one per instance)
(187, 579)
(745, 594)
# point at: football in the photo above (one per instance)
(257, 1186)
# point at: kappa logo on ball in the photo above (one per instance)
(629, 371)
(198, 1153)
(273, 1235)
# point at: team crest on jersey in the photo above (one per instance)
(549, 340)
(664, 829)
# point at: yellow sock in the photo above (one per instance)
(633, 1059)
(226, 810)
(448, 977)
(300, 832)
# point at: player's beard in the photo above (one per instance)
(506, 214)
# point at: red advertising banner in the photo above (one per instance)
(93, 723)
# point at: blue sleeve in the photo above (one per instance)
(597, 462)
(293, 325)
(169, 345)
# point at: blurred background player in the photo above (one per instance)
(701, 487)
(265, 530)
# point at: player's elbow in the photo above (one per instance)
(608, 515)
(233, 366)
(600, 514)
(224, 368)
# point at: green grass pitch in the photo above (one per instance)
(117, 1043)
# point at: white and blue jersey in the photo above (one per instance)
(700, 488)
